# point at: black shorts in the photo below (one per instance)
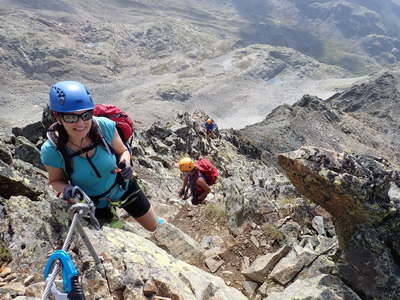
(195, 196)
(136, 205)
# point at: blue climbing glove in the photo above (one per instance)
(126, 169)
(67, 192)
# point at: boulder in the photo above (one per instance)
(357, 191)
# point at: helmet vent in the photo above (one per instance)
(61, 99)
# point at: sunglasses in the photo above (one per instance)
(187, 172)
(72, 118)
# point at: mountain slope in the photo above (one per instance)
(153, 58)
(363, 119)
(150, 69)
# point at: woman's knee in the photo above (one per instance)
(149, 220)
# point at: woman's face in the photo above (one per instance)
(78, 123)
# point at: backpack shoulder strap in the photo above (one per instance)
(109, 148)
(193, 178)
(106, 144)
(68, 162)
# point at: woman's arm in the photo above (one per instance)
(185, 181)
(120, 149)
(203, 184)
(57, 178)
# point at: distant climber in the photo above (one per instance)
(209, 126)
(199, 176)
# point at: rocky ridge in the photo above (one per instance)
(361, 120)
(261, 238)
(247, 237)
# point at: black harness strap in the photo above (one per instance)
(111, 116)
(93, 166)
(85, 151)
(96, 199)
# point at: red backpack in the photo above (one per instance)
(124, 123)
(207, 169)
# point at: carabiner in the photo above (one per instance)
(68, 268)
(72, 289)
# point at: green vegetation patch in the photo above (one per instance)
(273, 233)
(218, 210)
(5, 255)
(340, 53)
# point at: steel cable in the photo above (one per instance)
(50, 280)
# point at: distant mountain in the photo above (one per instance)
(232, 59)
(357, 35)
(364, 119)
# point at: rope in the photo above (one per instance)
(65, 247)
(75, 211)
(159, 178)
(70, 234)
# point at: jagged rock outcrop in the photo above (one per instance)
(254, 196)
(361, 194)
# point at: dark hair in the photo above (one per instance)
(62, 138)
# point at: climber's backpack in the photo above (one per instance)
(124, 123)
(208, 170)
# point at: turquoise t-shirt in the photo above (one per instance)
(83, 174)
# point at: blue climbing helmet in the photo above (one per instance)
(68, 96)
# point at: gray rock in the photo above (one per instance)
(261, 267)
(359, 185)
(27, 151)
(178, 244)
(316, 288)
(291, 265)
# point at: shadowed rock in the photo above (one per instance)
(352, 189)
(361, 195)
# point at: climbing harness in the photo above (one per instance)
(60, 258)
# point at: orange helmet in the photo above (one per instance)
(186, 164)
(209, 121)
